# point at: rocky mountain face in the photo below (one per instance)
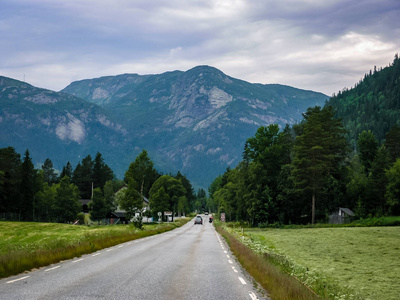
(55, 125)
(195, 121)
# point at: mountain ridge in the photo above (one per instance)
(193, 121)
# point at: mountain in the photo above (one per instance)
(55, 125)
(195, 121)
(373, 104)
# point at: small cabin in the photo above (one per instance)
(341, 216)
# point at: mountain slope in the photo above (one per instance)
(373, 104)
(194, 121)
(55, 125)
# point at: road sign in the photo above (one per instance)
(159, 213)
(222, 217)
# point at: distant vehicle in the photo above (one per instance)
(198, 220)
(206, 213)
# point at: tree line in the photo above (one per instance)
(303, 173)
(30, 194)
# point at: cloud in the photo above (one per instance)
(310, 44)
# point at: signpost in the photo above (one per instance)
(159, 216)
(222, 217)
(169, 215)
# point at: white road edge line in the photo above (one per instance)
(52, 268)
(231, 262)
(234, 270)
(110, 249)
(11, 281)
(242, 280)
(77, 260)
(253, 296)
(96, 254)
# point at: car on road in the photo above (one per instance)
(198, 220)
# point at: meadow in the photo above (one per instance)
(28, 245)
(337, 263)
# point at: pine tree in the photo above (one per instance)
(49, 175)
(10, 166)
(101, 172)
(319, 151)
(66, 171)
(27, 188)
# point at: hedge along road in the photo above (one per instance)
(190, 262)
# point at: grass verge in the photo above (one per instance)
(25, 246)
(337, 263)
(280, 286)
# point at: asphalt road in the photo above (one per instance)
(190, 262)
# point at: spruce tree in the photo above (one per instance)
(318, 152)
(27, 188)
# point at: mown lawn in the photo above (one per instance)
(27, 245)
(341, 263)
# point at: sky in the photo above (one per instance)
(319, 45)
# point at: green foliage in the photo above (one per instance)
(142, 171)
(67, 205)
(98, 207)
(165, 194)
(101, 172)
(393, 187)
(27, 188)
(371, 105)
(319, 151)
(132, 202)
(49, 175)
(392, 142)
(10, 165)
(368, 148)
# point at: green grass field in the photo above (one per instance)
(340, 263)
(26, 245)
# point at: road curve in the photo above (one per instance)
(190, 262)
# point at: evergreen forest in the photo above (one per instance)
(343, 155)
(29, 194)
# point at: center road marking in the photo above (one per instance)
(11, 281)
(52, 268)
(242, 280)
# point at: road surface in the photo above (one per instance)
(190, 262)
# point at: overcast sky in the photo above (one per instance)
(320, 45)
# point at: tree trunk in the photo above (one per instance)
(313, 209)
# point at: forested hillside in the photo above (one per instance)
(346, 154)
(373, 104)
